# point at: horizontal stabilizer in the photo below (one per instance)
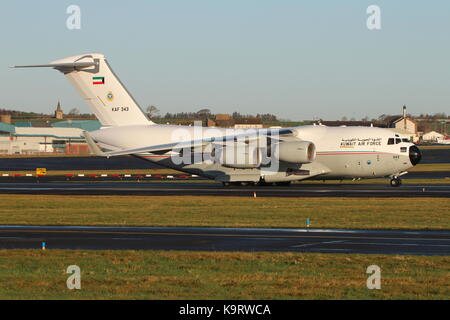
(67, 65)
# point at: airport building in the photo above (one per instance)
(432, 136)
(44, 135)
(405, 126)
(33, 138)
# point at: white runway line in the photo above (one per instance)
(401, 244)
(317, 243)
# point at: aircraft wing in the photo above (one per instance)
(162, 148)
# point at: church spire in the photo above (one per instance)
(59, 114)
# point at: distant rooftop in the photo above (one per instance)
(6, 128)
(87, 125)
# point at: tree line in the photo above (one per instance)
(153, 112)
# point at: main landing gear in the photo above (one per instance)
(396, 182)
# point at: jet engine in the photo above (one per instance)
(294, 151)
(239, 157)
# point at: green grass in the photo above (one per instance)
(402, 213)
(34, 274)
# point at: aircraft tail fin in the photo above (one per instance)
(102, 90)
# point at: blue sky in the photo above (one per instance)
(297, 59)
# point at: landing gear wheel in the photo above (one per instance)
(396, 182)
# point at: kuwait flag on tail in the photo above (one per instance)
(98, 80)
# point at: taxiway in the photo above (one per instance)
(227, 239)
(216, 189)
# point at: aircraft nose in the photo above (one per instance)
(414, 155)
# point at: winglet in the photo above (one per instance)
(93, 146)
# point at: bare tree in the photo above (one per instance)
(204, 112)
(74, 112)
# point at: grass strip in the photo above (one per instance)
(358, 213)
(35, 274)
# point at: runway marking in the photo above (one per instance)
(317, 243)
(6, 238)
(402, 244)
(331, 249)
(222, 235)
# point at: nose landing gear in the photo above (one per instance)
(396, 182)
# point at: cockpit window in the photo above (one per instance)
(391, 141)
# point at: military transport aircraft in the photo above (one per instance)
(232, 156)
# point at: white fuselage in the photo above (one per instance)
(341, 152)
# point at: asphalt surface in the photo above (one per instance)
(215, 189)
(227, 239)
(427, 175)
(158, 177)
(75, 163)
(441, 155)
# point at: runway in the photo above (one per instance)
(145, 176)
(227, 239)
(215, 189)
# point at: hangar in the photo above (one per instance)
(59, 137)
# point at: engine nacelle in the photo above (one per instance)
(239, 157)
(295, 151)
